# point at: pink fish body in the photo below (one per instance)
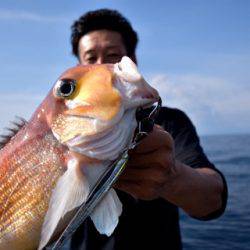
(49, 167)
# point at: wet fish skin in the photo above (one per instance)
(28, 175)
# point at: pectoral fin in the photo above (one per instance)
(70, 192)
(106, 215)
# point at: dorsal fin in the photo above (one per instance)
(16, 125)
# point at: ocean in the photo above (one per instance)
(231, 155)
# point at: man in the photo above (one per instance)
(167, 170)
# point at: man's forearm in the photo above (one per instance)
(197, 191)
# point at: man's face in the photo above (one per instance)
(101, 46)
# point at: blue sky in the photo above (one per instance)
(196, 53)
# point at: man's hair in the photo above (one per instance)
(104, 19)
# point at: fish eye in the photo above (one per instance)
(65, 87)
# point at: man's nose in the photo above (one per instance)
(100, 60)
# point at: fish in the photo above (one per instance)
(49, 167)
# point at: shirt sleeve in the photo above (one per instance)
(189, 151)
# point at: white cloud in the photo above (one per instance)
(6, 14)
(12, 105)
(215, 105)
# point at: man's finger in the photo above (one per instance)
(156, 175)
(156, 139)
(158, 158)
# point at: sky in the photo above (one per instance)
(196, 53)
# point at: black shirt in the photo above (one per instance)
(151, 224)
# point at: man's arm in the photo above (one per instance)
(196, 191)
(153, 172)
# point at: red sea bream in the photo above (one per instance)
(49, 167)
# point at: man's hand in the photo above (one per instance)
(152, 172)
(150, 166)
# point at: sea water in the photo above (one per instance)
(231, 155)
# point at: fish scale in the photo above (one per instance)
(25, 188)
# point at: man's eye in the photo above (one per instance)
(113, 58)
(114, 55)
(91, 59)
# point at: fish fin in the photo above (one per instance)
(106, 215)
(70, 192)
(16, 126)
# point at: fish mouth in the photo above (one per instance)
(79, 112)
(71, 104)
(141, 102)
(135, 95)
(77, 108)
